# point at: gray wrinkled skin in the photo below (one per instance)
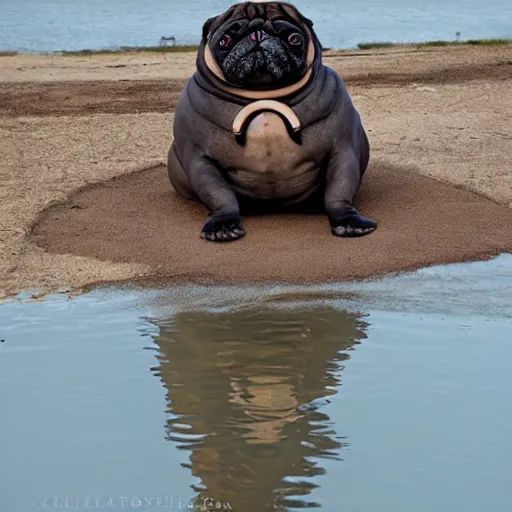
(269, 171)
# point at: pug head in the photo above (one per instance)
(260, 45)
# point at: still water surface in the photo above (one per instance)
(53, 25)
(391, 395)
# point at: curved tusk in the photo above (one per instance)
(265, 105)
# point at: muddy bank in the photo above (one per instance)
(67, 123)
(138, 219)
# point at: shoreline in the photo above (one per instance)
(65, 124)
(182, 48)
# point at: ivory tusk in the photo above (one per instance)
(265, 105)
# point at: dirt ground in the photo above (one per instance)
(70, 125)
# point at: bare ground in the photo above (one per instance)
(70, 122)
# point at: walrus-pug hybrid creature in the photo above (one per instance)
(263, 125)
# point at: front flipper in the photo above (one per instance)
(224, 222)
(344, 174)
(223, 228)
(350, 223)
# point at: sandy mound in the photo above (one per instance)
(139, 219)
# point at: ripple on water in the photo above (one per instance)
(387, 394)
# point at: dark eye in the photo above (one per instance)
(295, 39)
(225, 41)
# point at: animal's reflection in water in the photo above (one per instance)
(245, 392)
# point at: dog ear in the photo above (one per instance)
(292, 11)
(206, 27)
(217, 20)
(303, 19)
(307, 21)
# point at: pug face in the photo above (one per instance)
(260, 45)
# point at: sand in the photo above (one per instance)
(440, 180)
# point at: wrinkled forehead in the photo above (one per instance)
(267, 11)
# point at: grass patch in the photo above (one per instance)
(386, 44)
(7, 54)
(370, 46)
(489, 41)
(126, 49)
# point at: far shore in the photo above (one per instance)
(179, 48)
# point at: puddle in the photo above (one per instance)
(389, 395)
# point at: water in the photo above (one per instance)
(390, 395)
(53, 25)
